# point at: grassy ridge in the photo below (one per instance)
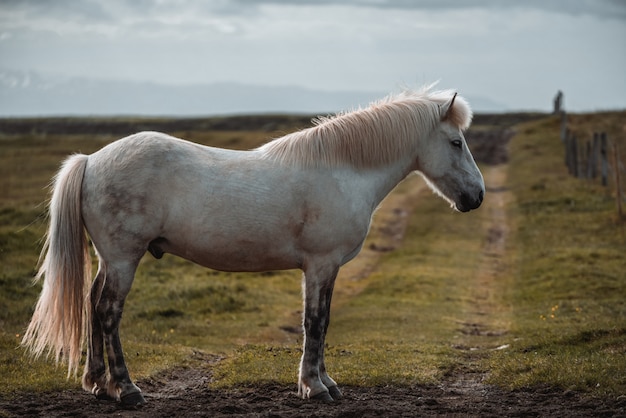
(567, 291)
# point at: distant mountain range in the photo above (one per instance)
(27, 93)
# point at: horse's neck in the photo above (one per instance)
(376, 183)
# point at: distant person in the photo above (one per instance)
(558, 102)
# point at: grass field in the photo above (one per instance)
(409, 311)
(567, 289)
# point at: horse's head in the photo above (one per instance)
(446, 162)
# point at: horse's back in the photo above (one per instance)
(229, 210)
(151, 190)
(144, 150)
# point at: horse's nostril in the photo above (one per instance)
(480, 196)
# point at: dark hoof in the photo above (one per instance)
(323, 397)
(132, 399)
(335, 393)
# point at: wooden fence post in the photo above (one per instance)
(604, 164)
(566, 148)
(588, 160)
(569, 156)
(574, 152)
(595, 153)
(618, 185)
(565, 140)
(564, 130)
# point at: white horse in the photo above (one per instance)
(301, 201)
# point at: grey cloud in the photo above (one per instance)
(614, 9)
(107, 10)
(88, 11)
(102, 11)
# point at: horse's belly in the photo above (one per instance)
(234, 255)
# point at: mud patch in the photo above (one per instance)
(187, 393)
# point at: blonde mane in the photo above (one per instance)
(365, 138)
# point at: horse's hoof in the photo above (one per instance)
(322, 397)
(102, 395)
(132, 399)
(335, 393)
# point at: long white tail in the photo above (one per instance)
(62, 315)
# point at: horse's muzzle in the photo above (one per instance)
(468, 202)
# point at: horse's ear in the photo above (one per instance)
(446, 109)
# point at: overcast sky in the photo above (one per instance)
(515, 52)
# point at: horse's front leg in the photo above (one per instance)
(333, 389)
(313, 381)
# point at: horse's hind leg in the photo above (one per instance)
(119, 277)
(95, 378)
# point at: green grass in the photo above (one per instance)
(567, 291)
(560, 292)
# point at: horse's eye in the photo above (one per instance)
(457, 143)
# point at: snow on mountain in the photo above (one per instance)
(27, 93)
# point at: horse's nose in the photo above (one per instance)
(468, 201)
